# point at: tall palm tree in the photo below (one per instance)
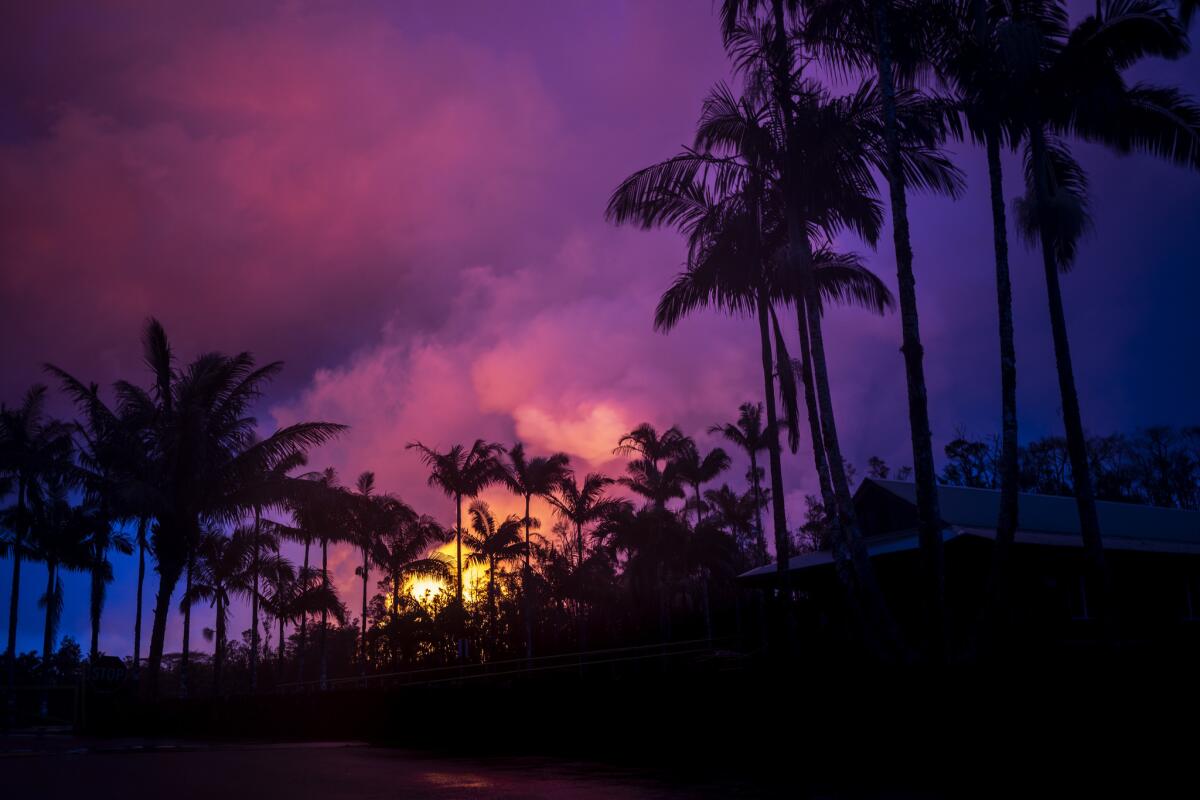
(372, 516)
(493, 546)
(306, 595)
(696, 470)
(1076, 86)
(223, 572)
(108, 448)
(971, 60)
(890, 39)
(329, 515)
(748, 434)
(197, 425)
(462, 472)
(528, 477)
(30, 447)
(718, 202)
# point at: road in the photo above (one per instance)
(50, 767)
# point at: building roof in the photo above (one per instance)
(1043, 520)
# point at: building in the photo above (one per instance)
(1152, 554)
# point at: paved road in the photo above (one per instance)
(52, 768)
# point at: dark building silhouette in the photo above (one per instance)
(1153, 556)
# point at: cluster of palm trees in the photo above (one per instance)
(179, 461)
(782, 172)
(176, 472)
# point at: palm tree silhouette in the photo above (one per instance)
(583, 504)
(31, 447)
(696, 470)
(402, 552)
(718, 201)
(1075, 85)
(891, 40)
(527, 477)
(198, 428)
(60, 541)
(461, 472)
(224, 570)
(749, 434)
(492, 546)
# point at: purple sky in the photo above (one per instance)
(404, 202)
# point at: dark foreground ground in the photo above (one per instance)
(67, 767)
(1049, 729)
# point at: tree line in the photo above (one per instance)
(177, 474)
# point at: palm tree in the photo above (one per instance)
(223, 571)
(61, 533)
(718, 202)
(1076, 86)
(583, 505)
(306, 595)
(696, 470)
(372, 516)
(655, 473)
(748, 434)
(492, 546)
(527, 477)
(198, 428)
(735, 514)
(972, 63)
(30, 447)
(402, 552)
(328, 515)
(891, 40)
(459, 473)
(108, 448)
(277, 577)
(274, 487)
(102, 539)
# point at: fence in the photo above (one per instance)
(608, 663)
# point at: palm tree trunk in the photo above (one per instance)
(219, 647)
(185, 657)
(526, 600)
(777, 500)
(137, 614)
(282, 651)
(929, 526)
(820, 458)
(303, 624)
(1085, 500)
(850, 552)
(458, 590)
(15, 597)
(395, 617)
(168, 576)
(254, 589)
(96, 607)
(324, 614)
(1006, 522)
(756, 484)
(363, 641)
(696, 488)
(48, 633)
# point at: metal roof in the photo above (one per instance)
(1043, 520)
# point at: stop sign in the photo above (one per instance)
(107, 673)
